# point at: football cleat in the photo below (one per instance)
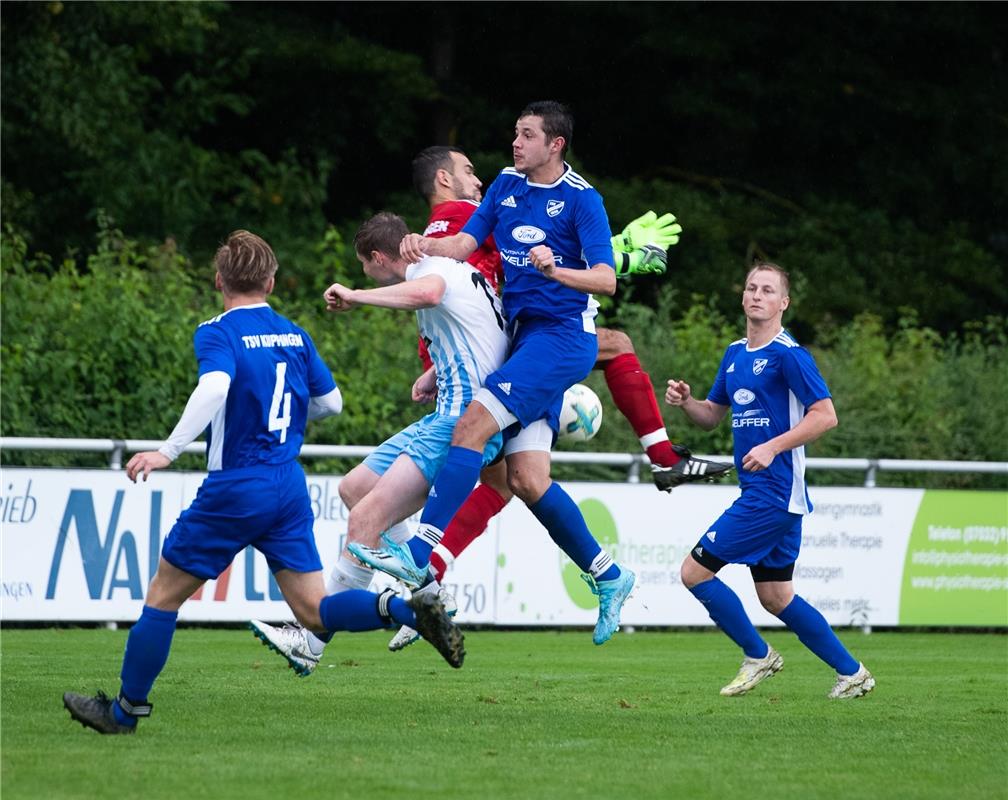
(611, 594)
(434, 625)
(752, 671)
(96, 712)
(407, 635)
(856, 685)
(687, 469)
(290, 642)
(394, 559)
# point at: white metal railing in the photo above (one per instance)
(631, 461)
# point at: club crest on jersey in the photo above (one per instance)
(758, 365)
(528, 234)
(554, 207)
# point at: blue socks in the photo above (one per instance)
(816, 634)
(726, 610)
(146, 654)
(357, 610)
(452, 486)
(560, 515)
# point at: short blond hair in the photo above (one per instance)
(785, 279)
(245, 263)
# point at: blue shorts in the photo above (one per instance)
(426, 443)
(754, 533)
(263, 506)
(547, 356)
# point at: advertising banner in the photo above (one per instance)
(82, 545)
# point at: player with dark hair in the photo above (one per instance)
(261, 380)
(779, 402)
(552, 232)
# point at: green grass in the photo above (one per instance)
(531, 715)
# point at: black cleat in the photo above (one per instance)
(95, 712)
(434, 625)
(689, 469)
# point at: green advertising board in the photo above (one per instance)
(956, 567)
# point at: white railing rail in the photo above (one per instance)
(633, 462)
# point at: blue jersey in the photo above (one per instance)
(769, 389)
(274, 369)
(567, 216)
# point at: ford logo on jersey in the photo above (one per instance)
(528, 234)
(743, 397)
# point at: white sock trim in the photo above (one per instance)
(600, 563)
(430, 534)
(660, 435)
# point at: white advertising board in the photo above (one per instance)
(82, 545)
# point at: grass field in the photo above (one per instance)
(531, 715)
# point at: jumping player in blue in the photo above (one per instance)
(553, 235)
(261, 380)
(779, 402)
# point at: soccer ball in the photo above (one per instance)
(581, 415)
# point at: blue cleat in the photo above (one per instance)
(612, 595)
(394, 559)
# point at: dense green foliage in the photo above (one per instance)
(105, 352)
(530, 715)
(857, 145)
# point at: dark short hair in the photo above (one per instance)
(557, 120)
(426, 166)
(245, 263)
(383, 232)
(785, 279)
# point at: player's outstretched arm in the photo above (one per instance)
(460, 246)
(208, 396)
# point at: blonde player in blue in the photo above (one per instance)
(261, 380)
(553, 235)
(779, 402)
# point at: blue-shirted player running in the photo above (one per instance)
(261, 380)
(779, 402)
(553, 235)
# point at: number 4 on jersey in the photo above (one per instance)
(276, 421)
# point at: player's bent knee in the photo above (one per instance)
(612, 344)
(699, 566)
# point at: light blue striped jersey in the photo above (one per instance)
(568, 216)
(464, 333)
(769, 388)
(274, 369)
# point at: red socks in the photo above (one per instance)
(634, 396)
(468, 523)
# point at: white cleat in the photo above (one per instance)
(289, 641)
(752, 672)
(406, 635)
(856, 685)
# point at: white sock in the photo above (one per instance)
(345, 575)
(399, 532)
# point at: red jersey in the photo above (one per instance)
(447, 219)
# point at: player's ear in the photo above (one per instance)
(270, 285)
(443, 177)
(218, 282)
(557, 145)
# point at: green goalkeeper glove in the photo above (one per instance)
(648, 228)
(647, 260)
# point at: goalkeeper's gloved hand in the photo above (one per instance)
(647, 260)
(648, 228)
